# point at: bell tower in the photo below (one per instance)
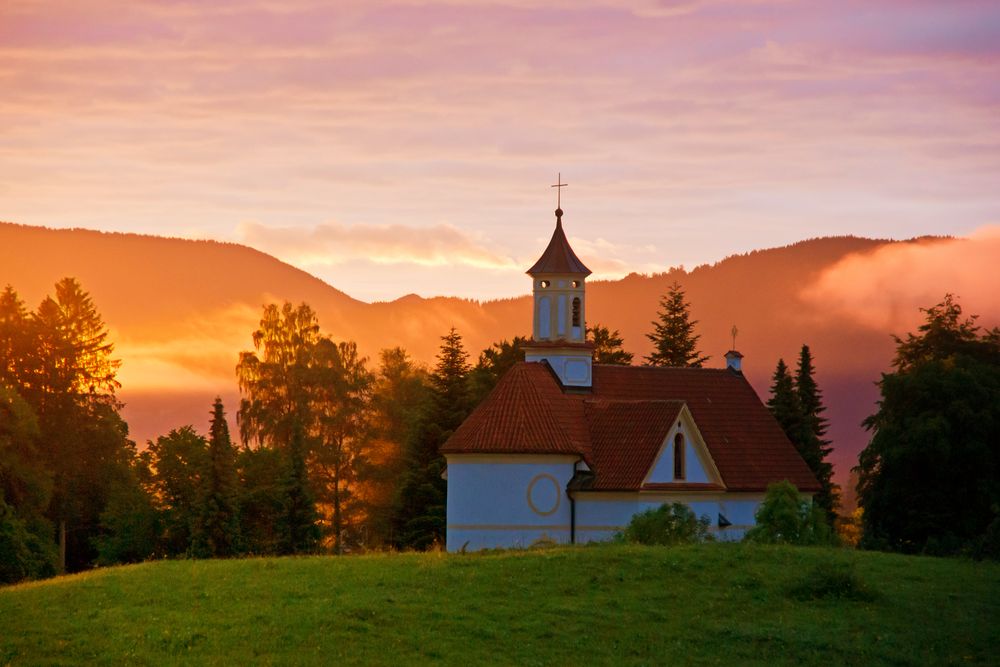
(559, 331)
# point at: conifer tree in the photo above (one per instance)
(814, 448)
(784, 404)
(217, 527)
(297, 528)
(419, 520)
(608, 346)
(673, 337)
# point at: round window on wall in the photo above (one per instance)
(544, 494)
(545, 283)
(576, 283)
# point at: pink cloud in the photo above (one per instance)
(885, 289)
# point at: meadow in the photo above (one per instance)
(608, 604)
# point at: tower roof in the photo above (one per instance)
(558, 256)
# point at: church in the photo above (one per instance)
(565, 450)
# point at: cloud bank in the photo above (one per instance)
(884, 290)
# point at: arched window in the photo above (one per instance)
(679, 456)
(576, 311)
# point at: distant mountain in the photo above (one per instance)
(181, 310)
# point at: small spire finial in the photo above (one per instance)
(734, 332)
(559, 185)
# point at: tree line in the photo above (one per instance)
(338, 454)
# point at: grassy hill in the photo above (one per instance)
(709, 604)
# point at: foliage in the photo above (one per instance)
(930, 476)
(179, 462)
(797, 405)
(262, 498)
(342, 396)
(668, 524)
(673, 337)
(785, 518)
(831, 580)
(131, 526)
(608, 346)
(716, 603)
(23, 553)
(59, 361)
(216, 530)
(297, 528)
(493, 364)
(813, 447)
(419, 516)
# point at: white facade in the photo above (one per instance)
(517, 500)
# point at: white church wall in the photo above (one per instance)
(600, 515)
(507, 501)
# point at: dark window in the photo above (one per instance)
(576, 311)
(679, 456)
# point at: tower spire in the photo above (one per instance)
(559, 185)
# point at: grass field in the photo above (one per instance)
(708, 604)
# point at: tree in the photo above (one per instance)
(784, 404)
(82, 436)
(297, 529)
(399, 396)
(275, 377)
(673, 337)
(342, 401)
(929, 479)
(786, 518)
(419, 517)
(608, 346)
(278, 380)
(180, 461)
(217, 526)
(494, 362)
(813, 447)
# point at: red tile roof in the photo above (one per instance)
(620, 424)
(558, 256)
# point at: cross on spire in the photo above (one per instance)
(559, 185)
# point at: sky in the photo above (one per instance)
(408, 147)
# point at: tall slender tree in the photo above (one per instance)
(217, 527)
(278, 381)
(784, 404)
(493, 363)
(608, 346)
(814, 448)
(342, 398)
(673, 337)
(419, 520)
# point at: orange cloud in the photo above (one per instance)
(335, 243)
(885, 289)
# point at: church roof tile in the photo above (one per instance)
(619, 426)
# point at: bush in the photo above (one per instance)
(833, 581)
(667, 524)
(785, 518)
(23, 554)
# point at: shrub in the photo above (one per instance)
(667, 524)
(833, 581)
(23, 555)
(785, 518)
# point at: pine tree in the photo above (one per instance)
(814, 448)
(608, 346)
(217, 527)
(784, 404)
(673, 337)
(298, 531)
(419, 520)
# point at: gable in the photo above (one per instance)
(697, 466)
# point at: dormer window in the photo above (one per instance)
(545, 283)
(679, 456)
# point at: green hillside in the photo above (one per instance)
(710, 604)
